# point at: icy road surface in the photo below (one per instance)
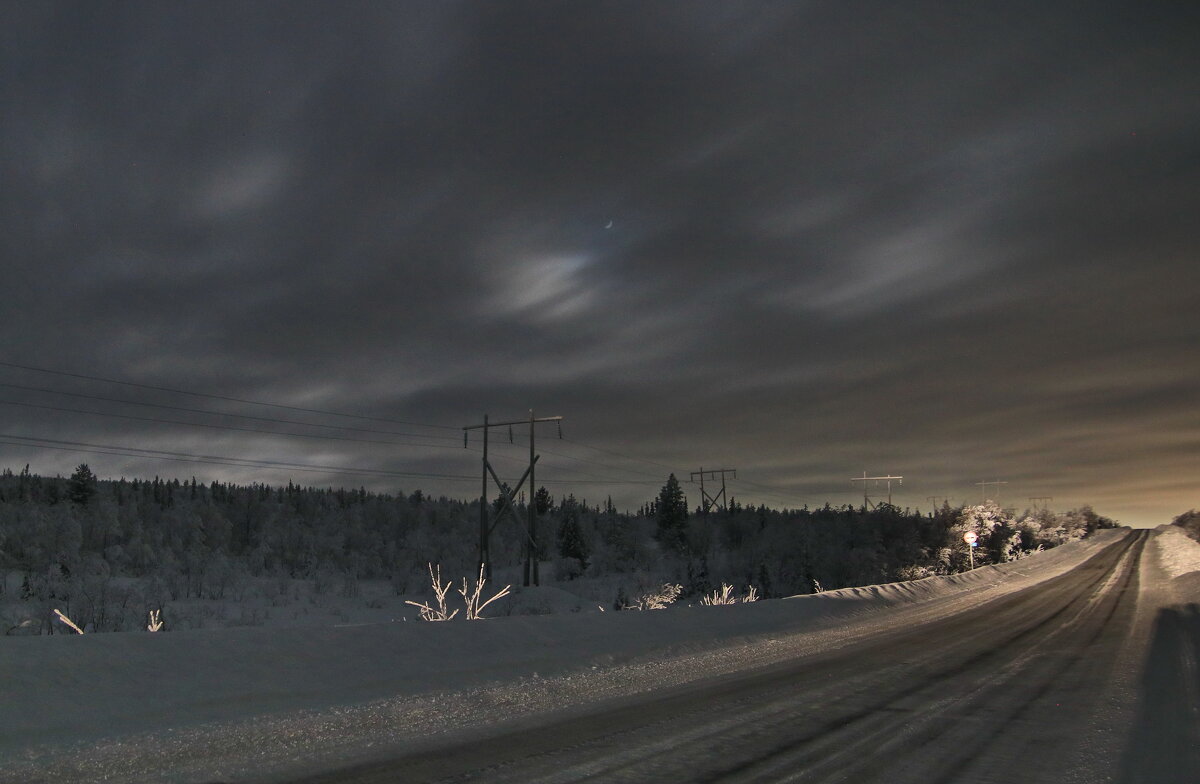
(1077, 665)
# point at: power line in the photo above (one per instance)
(866, 496)
(985, 484)
(1041, 502)
(709, 501)
(506, 496)
(221, 397)
(781, 496)
(777, 492)
(639, 472)
(222, 413)
(590, 479)
(672, 469)
(283, 421)
(161, 421)
(610, 482)
(239, 462)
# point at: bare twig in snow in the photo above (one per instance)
(67, 621)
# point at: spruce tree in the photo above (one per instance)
(671, 514)
(571, 541)
(543, 501)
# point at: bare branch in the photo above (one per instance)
(442, 612)
(67, 621)
(471, 596)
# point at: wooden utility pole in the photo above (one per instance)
(709, 501)
(508, 496)
(866, 495)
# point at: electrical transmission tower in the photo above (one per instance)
(985, 485)
(1040, 502)
(507, 495)
(866, 488)
(709, 501)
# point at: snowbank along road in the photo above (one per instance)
(1075, 665)
(1031, 686)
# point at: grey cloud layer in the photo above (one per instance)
(810, 237)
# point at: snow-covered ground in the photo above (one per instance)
(224, 704)
(1178, 553)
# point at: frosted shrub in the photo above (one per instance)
(442, 612)
(324, 581)
(725, 596)
(567, 569)
(471, 596)
(1013, 551)
(657, 599)
(350, 587)
(914, 572)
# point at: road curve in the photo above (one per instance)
(1014, 690)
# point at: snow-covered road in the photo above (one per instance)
(1075, 665)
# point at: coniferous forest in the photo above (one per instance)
(108, 551)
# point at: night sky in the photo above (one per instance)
(955, 242)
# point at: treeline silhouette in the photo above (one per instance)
(111, 549)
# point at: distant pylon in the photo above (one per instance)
(1040, 502)
(984, 486)
(507, 500)
(866, 495)
(709, 501)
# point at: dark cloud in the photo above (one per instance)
(805, 239)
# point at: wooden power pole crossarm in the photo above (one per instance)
(487, 424)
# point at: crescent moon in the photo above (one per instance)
(609, 226)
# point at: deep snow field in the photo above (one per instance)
(273, 699)
(277, 603)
